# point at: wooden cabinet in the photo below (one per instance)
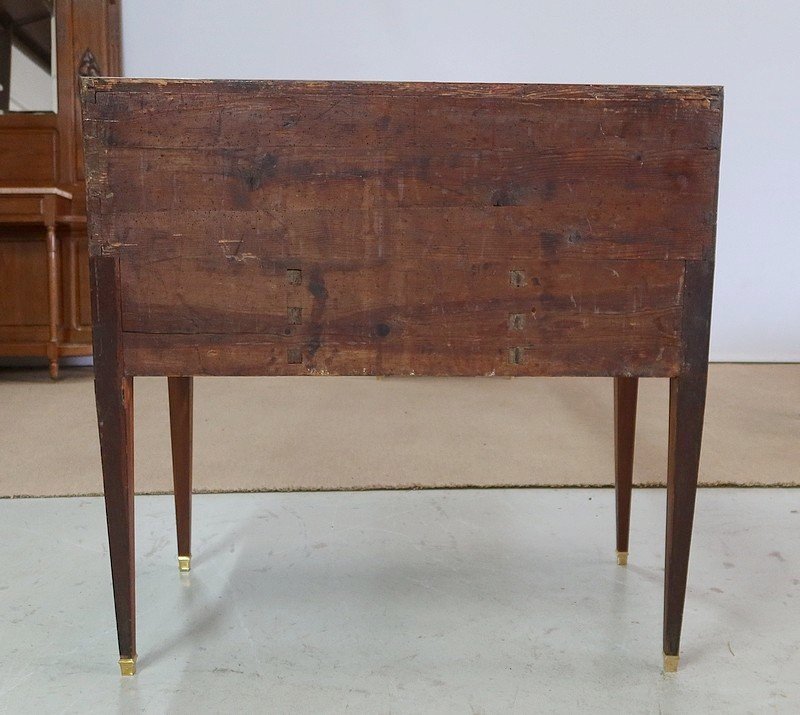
(42, 150)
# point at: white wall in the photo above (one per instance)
(31, 86)
(753, 48)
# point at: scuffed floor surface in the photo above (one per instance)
(482, 601)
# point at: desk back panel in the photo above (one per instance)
(292, 228)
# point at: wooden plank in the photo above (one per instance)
(424, 318)
(592, 162)
(214, 295)
(291, 178)
(232, 120)
(554, 229)
(580, 352)
(707, 97)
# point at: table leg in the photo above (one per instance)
(687, 401)
(114, 397)
(625, 395)
(686, 407)
(53, 291)
(180, 418)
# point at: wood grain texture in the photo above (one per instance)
(315, 228)
(442, 317)
(28, 153)
(687, 399)
(114, 397)
(405, 208)
(424, 115)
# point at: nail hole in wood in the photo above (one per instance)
(515, 355)
(294, 315)
(294, 356)
(516, 321)
(294, 276)
(516, 278)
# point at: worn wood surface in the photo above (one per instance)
(312, 228)
(405, 210)
(114, 396)
(687, 400)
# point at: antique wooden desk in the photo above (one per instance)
(316, 228)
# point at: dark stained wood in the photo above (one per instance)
(687, 401)
(114, 394)
(252, 292)
(180, 423)
(404, 316)
(402, 224)
(572, 181)
(554, 230)
(301, 114)
(334, 228)
(572, 352)
(626, 390)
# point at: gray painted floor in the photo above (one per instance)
(483, 601)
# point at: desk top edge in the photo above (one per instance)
(578, 92)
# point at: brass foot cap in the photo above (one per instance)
(184, 563)
(127, 666)
(622, 558)
(671, 663)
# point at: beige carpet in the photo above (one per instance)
(332, 433)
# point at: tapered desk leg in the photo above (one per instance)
(114, 396)
(687, 402)
(115, 408)
(625, 393)
(686, 406)
(180, 420)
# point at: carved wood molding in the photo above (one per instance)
(89, 66)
